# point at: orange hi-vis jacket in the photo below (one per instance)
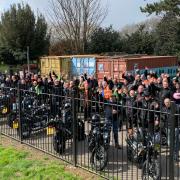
(107, 93)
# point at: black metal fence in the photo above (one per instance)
(111, 140)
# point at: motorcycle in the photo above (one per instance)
(135, 147)
(99, 142)
(151, 165)
(33, 117)
(143, 149)
(27, 103)
(4, 105)
(63, 126)
(7, 100)
(35, 121)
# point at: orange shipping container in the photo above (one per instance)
(116, 66)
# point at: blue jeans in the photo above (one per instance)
(114, 121)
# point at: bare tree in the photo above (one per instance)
(74, 20)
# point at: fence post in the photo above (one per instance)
(172, 141)
(74, 114)
(19, 113)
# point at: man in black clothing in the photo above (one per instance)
(165, 92)
(130, 111)
(146, 113)
(56, 99)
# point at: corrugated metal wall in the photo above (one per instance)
(151, 62)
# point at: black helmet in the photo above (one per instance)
(67, 105)
(95, 118)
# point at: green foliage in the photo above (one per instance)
(15, 165)
(105, 40)
(19, 28)
(163, 7)
(168, 35)
(139, 42)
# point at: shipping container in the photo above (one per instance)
(81, 65)
(158, 64)
(113, 66)
(150, 62)
(58, 64)
(110, 66)
(49, 64)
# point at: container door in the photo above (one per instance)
(83, 65)
(65, 66)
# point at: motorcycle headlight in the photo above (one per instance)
(95, 131)
(105, 136)
(29, 106)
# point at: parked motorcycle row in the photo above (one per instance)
(36, 116)
(142, 147)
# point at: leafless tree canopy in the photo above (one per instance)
(74, 20)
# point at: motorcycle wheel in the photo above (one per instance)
(151, 170)
(163, 139)
(59, 144)
(140, 161)
(81, 131)
(99, 158)
(129, 154)
(25, 131)
(10, 119)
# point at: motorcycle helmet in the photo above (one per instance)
(95, 118)
(67, 105)
(27, 102)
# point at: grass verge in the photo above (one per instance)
(17, 165)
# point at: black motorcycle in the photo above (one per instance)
(34, 117)
(7, 101)
(4, 105)
(151, 165)
(34, 121)
(99, 142)
(143, 148)
(27, 103)
(63, 125)
(135, 146)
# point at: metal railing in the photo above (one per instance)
(112, 140)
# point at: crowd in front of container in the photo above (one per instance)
(137, 100)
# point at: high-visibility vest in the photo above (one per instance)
(107, 93)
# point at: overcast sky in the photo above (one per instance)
(121, 12)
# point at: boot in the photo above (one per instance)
(116, 141)
(117, 146)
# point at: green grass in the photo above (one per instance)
(16, 165)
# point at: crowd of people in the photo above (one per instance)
(136, 99)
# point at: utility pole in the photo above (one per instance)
(28, 59)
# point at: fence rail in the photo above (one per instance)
(109, 139)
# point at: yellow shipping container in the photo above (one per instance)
(59, 64)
